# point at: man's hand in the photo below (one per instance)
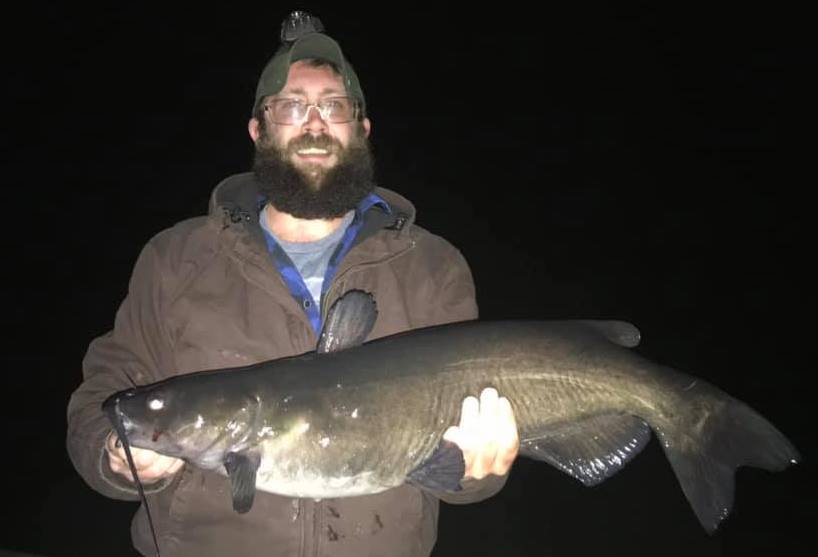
(487, 435)
(150, 466)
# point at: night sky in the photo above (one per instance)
(589, 162)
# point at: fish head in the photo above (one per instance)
(185, 420)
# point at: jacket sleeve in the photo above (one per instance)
(449, 296)
(132, 353)
(455, 300)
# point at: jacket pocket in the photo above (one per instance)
(199, 494)
(397, 522)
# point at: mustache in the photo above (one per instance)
(314, 142)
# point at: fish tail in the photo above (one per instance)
(719, 437)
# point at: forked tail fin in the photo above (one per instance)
(706, 450)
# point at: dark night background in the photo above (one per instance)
(629, 163)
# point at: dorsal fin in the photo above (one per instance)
(349, 321)
(620, 332)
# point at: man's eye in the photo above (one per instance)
(338, 104)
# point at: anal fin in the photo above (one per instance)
(591, 449)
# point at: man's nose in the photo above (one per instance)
(313, 122)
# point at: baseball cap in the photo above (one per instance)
(302, 38)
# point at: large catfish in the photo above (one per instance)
(355, 418)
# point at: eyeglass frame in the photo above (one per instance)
(356, 110)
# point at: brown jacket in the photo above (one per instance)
(204, 294)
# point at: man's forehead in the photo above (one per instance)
(305, 79)
(307, 91)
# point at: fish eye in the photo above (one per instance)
(156, 403)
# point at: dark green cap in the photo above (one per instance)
(301, 38)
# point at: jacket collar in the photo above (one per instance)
(234, 213)
(237, 195)
(234, 204)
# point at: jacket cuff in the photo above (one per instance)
(474, 490)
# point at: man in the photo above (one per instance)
(250, 282)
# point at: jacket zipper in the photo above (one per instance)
(309, 546)
(316, 527)
(302, 521)
(317, 506)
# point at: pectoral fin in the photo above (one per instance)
(241, 468)
(349, 321)
(591, 450)
(443, 470)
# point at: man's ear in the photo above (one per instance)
(253, 127)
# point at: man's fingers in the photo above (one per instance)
(170, 465)
(161, 467)
(142, 458)
(506, 426)
(508, 437)
(487, 434)
(470, 414)
(149, 465)
(487, 425)
(176, 466)
(489, 410)
(479, 422)
(112, 442)
(119, 466)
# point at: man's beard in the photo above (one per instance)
(315, 192)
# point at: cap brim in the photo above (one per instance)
(316, 45)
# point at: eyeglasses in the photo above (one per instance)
(336, 110)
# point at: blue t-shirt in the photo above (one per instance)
(308, 269)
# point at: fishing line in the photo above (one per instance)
(120, 431)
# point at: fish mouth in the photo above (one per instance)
(110, 405)
(111, 408)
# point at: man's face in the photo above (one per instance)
(314, 146)
(314, 168)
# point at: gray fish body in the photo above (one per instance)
(361, 420)
(382, 408)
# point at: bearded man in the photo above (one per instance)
(251, 282)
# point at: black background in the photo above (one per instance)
(632, 162)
